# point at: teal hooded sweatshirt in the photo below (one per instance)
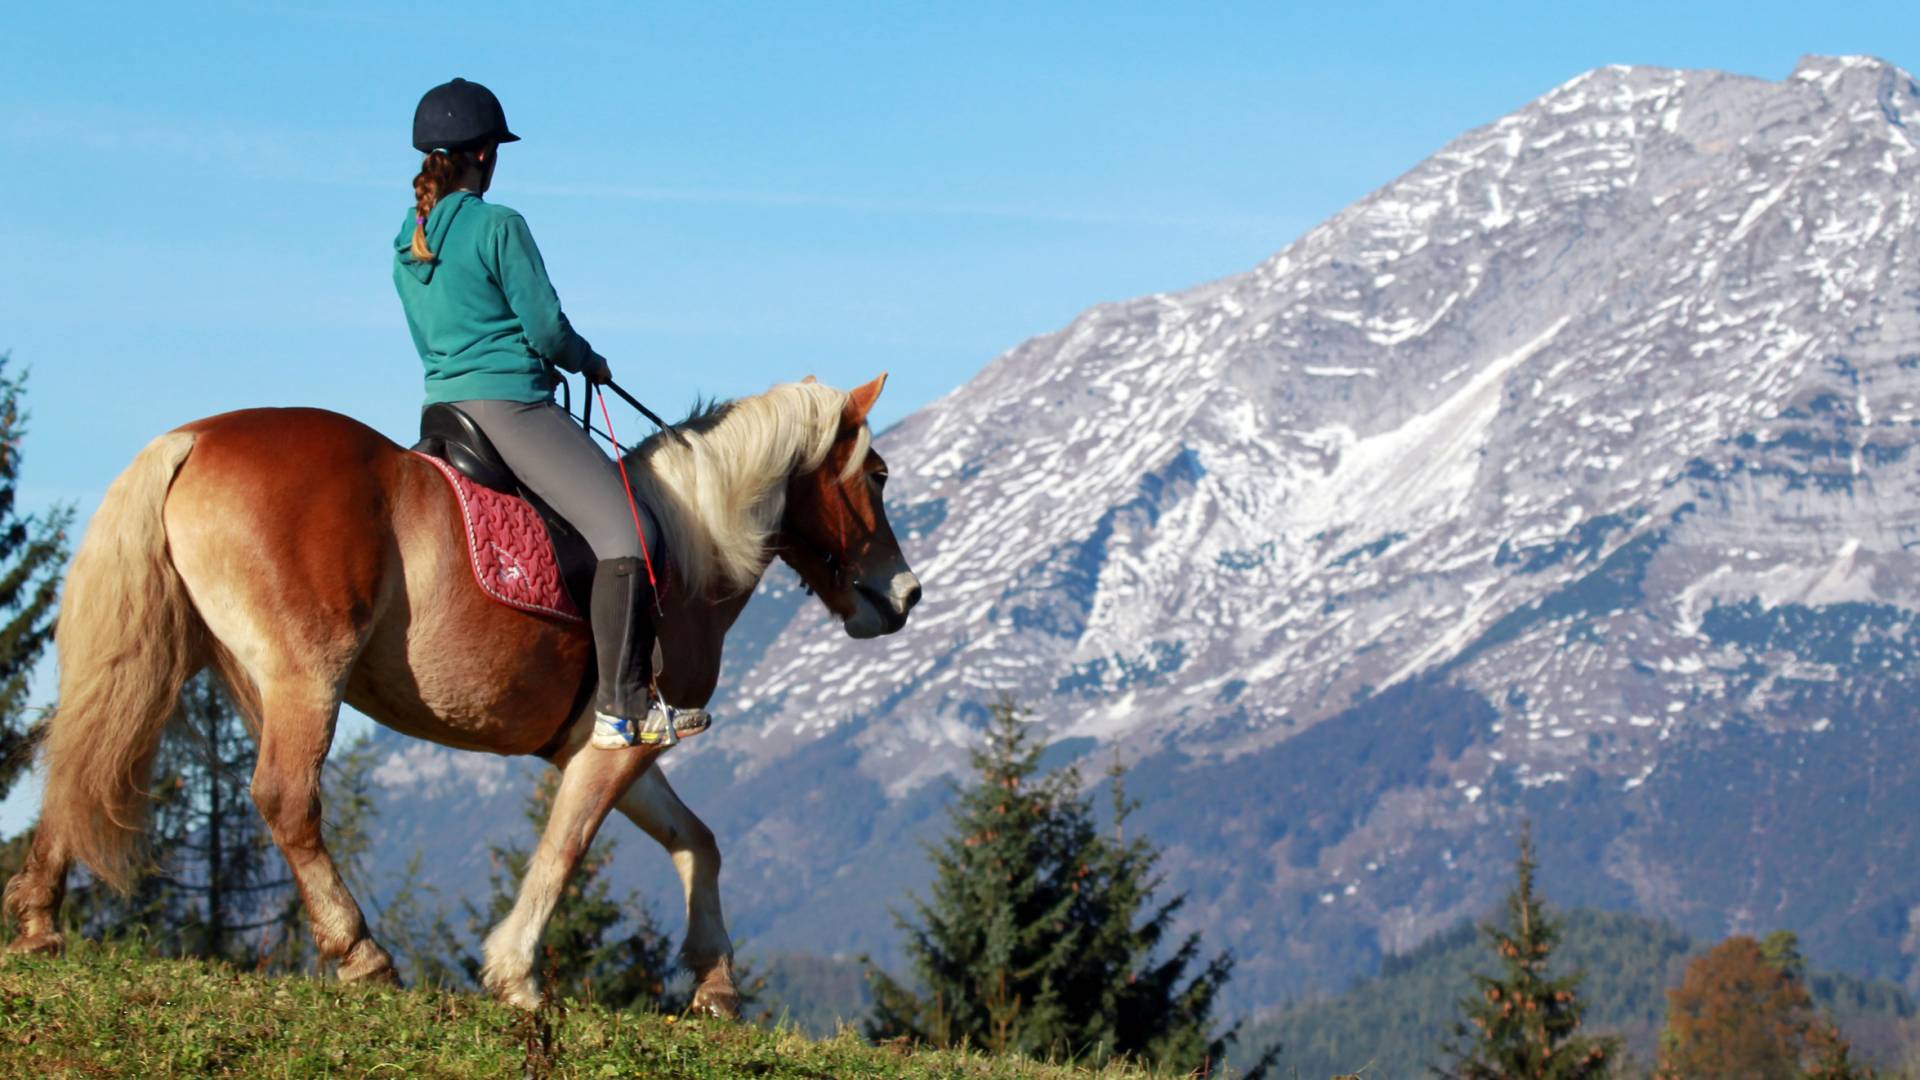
(484, 317)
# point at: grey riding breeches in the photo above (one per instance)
(557, 460)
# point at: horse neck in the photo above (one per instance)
(714, 606)
(764, 483)
(693, 635)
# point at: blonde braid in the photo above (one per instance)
(436, 177)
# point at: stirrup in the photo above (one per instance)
(666, 725)
(663, 726)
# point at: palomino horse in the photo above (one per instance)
(311, 561)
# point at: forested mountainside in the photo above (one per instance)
(1569, 475)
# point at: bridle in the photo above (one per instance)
(835, 563)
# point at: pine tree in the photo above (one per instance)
(1743, 1009)
(1525, 1023)
(1040, 932)
(591, 948)
(347, 806)
(33, 553)
(421, 940)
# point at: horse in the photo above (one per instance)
(311, 561)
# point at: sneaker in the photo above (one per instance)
(613, 732)
(663, 726)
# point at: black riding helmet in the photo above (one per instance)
(459, 115)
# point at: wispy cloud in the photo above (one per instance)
(339, 157)
(326, 155)
(905, 207)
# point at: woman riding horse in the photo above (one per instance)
(489, 330)
(340, 574)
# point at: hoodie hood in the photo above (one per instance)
(439, 223)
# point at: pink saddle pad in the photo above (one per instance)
(508, 548)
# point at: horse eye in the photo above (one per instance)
(879, 478)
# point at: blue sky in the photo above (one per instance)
(199, 198)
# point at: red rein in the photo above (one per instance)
(632, 503)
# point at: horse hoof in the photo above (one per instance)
(722, 1002)
(368, 963)
(522, 997)
(521, 993)
(37, 944)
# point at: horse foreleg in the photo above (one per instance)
(590, 782)
(296, 731)
(651, 804)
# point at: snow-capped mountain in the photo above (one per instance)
(1568, 476)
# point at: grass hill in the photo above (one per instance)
(112, 1010)
(1393, 1024)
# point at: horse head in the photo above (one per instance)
(835, 534)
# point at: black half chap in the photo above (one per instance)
(558, 461)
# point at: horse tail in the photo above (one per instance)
(128, 639)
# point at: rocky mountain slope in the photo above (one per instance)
(1568, 476)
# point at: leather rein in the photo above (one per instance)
(834, 563)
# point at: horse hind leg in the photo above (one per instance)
(652, 804)
(296, 731)
(34, 895)
(590, 782)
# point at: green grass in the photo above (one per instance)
(112, 1010)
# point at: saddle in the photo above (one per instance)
(451, 437)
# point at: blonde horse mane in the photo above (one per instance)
(719, 498)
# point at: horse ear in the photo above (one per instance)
(860, 402)
(809, 379)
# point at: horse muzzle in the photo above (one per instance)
(882, 609)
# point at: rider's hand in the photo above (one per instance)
(597, 370)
